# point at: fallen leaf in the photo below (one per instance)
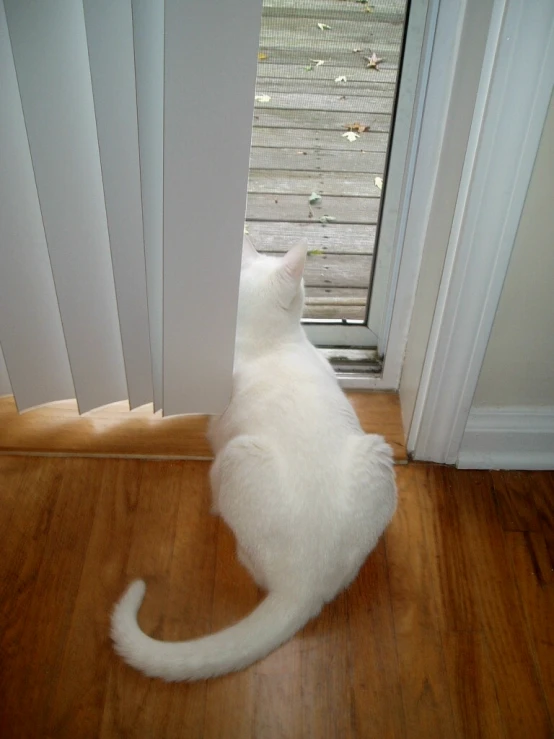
(323, 27)
(369, 9)
(301, 152)
(315, 198)
(351, 136)
(359, 127)
(308, 68)
(262, 98)
(245, 229)
(327, 219)
(261, 56)
(373, 61)
(356, 50)
(314, 252)
(342, 78)
(317, 62)
(379, 182)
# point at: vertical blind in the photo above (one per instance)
(125, 131)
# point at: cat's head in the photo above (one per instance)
(271, 293)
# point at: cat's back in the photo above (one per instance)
(292, 396)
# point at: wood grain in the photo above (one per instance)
(422, 667)
(297, 209)
(388, 658)
(518, 687)
(116, 431)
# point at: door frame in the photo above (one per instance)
(496, 173)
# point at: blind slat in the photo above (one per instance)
(148, 30)
(210, 72)
(30, 327)
(109, 29)
(50, 52)
(5, 387)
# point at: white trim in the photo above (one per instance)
(508, 121)
(438, 68)
(399, 174)
(509, 438)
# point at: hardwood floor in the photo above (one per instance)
(447, 632)
(114, 431)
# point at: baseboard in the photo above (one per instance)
(509, 438)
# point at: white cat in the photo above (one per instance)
(305, 491)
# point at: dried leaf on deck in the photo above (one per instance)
(358, 127)
(262, 98)
(379, 182)
(351, 136)
(314, 252)
(373, 61)
(315, 198)
(327, 219)
(261, 56)
(342, 78)
(317, 62)
(323, 27)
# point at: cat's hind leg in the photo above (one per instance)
(252, 502)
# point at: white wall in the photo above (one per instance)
(519, 364)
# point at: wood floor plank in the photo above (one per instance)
(278, 694)
(230, 699)
(12, 472)
(34, 640)
(440, 503)
(374, 668)
(81, 683)
(191, 587)
(134, 704)
(535, 582)
(326, 674)
(425, 694)
(518, 687)
(514, 501)
(542, 485)
(471, 686)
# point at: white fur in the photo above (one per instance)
(305, 491)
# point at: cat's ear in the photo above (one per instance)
(249, 253)
(294, 262)
(290, 270)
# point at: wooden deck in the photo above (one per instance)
(298, 146)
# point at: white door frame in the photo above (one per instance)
(442, 55)
(509, 115)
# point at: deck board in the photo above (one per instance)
(298, 145)
(296, 208)
(331, 239)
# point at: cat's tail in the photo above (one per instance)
(274, 621)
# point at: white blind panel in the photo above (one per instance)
(50, 51)
(148, 28)
(5, 387)
(109, 27)
(30, 327)
(210, 72)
